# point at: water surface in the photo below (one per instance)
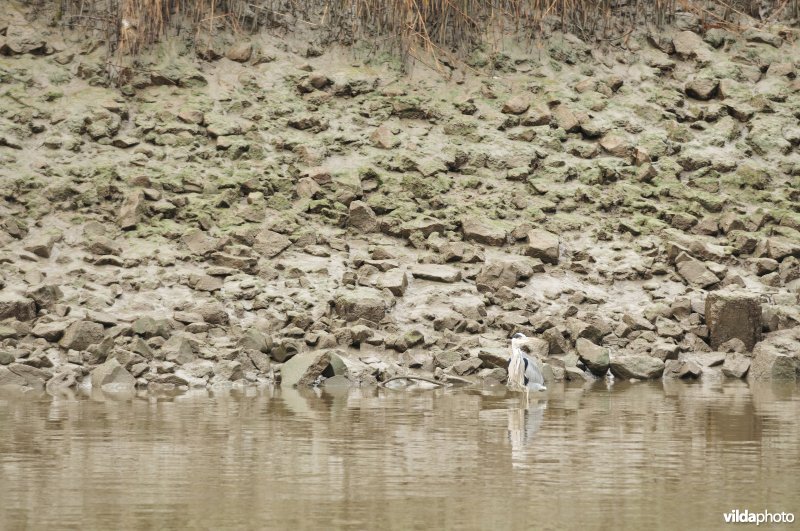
(671, 455)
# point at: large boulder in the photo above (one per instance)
(733, 314)
(777, 357)
(80, 334)
(17, 307)
(640, 366)
(595, 357)
(543, 245)
(306, 368)
(111, 372)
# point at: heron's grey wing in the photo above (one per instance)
(533, 371)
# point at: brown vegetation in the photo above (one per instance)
(437, 26)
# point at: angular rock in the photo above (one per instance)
(639, 366)
(682, 369)
(253, 339)
(446, 358)
(770, 364)
(306, 368)
(17, 307)
(270, 243)
(467, 366)
(42, 244)
(81, 334)
(362, 217)
(476, 231)
(360, 304)
(50, 331)
(543, 245)
(517, 104)
(395, 280)
(111, 372)
(496, 275)
(436, 273)
(132, 210)
(595, 357)
(384, 138)
(696, 273)
(702, 88)
(689, 44)
(736, 365)
(733, 315)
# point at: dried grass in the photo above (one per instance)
(437, 27)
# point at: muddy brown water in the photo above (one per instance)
(662, 455)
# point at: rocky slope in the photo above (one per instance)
(264, 200)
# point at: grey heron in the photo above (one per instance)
(524, 372)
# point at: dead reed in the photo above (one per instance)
(437, 26)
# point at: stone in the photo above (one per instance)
(61, 381)
(178, 350)
(517, 104)
(18, 374)
(360, 304)
(436, 273)
(543, 245)
(50, 331)
(595, 357)
(132, 210)
(213, 312)
(112, 373)
(270, 243)
(701, 88)
(44, 295)
(495, 357)
(6, 357)
(17, 307)
(446, 358)
(42, 244)
(779, 248)
(240, 52)
(696, 273)
(475, 230)
(682, 369)
(383, 137)
(467, 366)
(733, 314)
(566, 119)
(770, 364)
(736, 365)
(689, 44)
(81, 334)
(150, 327)
(496, 275)
(639, 366)
(21, 39)
(253, 339)
(395, 280)
(306, 368)
(362, 217)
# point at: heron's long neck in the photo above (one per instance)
(516, 370)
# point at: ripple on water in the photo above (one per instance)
(633, 455)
